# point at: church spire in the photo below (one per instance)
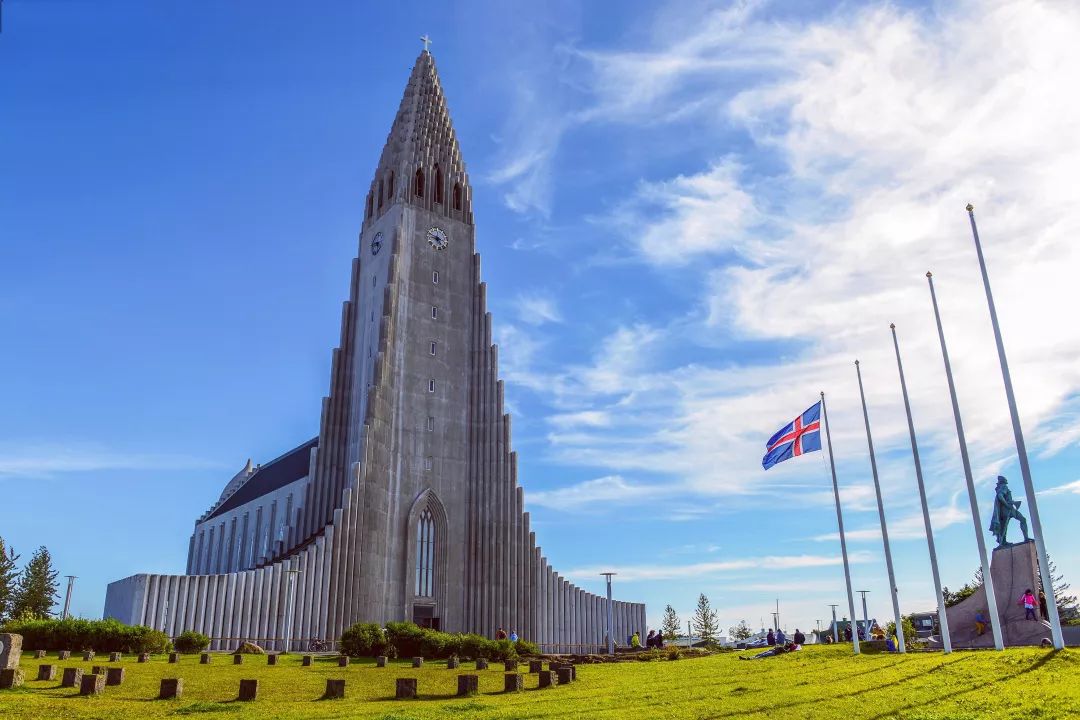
(421, 162)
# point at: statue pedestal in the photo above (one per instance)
(1014, 570)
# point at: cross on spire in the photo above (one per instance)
(426, 40)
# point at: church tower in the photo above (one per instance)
(406, 506)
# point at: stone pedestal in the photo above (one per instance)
(343, 661)
(249, 690)
(144, 657)
(88, 656)
(11, 678)
(98, 670)
(92, 684)
(380, 661)
(271, 659)
(305, 661)
(1014, 569)
(452, 663)
(204, 659)
(566, 675)
(10, 651)
(39, 654)
(72, 677)
(405, 689)
(335, 690)
(468, 684)
(114, 676)
(418, 662)
(64, 655)
(114, 657)
(481, 664)
(46, 672)
(513, 682)
(510, 665)
(174, 657)
(171, 688)
(536, 666)
(547, 678)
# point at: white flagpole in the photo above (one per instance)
(943, 620)
(881, 515)
(988, 578)
(840, 523)
(1021, 449)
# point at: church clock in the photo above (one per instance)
(437, 239)
(376, 243)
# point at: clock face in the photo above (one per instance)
(437, 239)
(376, 243)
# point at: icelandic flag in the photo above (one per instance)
(801, 435)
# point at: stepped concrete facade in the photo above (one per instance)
(407, 505)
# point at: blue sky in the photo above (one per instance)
(692, 216)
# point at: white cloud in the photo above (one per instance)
(595, 495)
(1072, 488)
(46, 460)
(537, 309)
(670, 571)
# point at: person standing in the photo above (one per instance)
(770, 639)
(513, 636)
(500, 634)
(1042, 605)
(781, 638)
(799, 638)
(1028, 601)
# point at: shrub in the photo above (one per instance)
(525, 648)
(674, 653)
(78, 634)
(189, 642)
(363, 640)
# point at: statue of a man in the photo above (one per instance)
(1005, 509)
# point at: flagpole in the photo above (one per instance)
(988, 578)
(943, 620)
(1021, 449)
(840, 523)
(881, 515)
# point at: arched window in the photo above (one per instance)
(369, 207)
(380, 194)
(390, 186)
(457, 196)
(425, 555)
(418, 183)
(438, 184)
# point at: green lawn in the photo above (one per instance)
(819, 682)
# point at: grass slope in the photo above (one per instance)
(819, 682)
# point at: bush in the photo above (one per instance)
(77, 634)
(363, 640)
(190, 642)
(525, 648)
(674, 653)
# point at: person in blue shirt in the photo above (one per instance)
(781, 638)
(513, 636)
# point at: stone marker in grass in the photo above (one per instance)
(114, 676)
(72, 677)
(171, 688)
(343, 661)
(566, 675)
(468, 684)
(481, 664)
(88, 656)
(114, 657)
(10, 651)
(271, 659)
(513, 682)
(305, 661)
(98, 670)
(335, 690)
(204, 659)
(46, 672)
(92, 684)
(418, 662)
(547, 678)
(237, 659)
(452, 662)
(144, 657)
(39, 654)
(64, 655)
(11, 678)
(406, 689)
(174, 657)
(249, 689)
(510, 666)
(536, 666)
(380, 661)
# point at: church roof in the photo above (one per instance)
(277, 473)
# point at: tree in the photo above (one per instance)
(1066, 603)
(36, 593)
(741, 631)
(704, 622)
(8, 575)
(955, 598)
(671, 625)
(910, 634)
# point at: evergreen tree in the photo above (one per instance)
(8, 575)
(671, 625)
(741, 631)
(37, 591)
(704, 622)
(1066, 603)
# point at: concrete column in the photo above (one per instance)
(315, 594)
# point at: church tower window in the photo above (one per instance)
(380, 194)
(370, 210)
(390, 187)
(457, 196)
(438, 184)
(425, 555)
(418, 183)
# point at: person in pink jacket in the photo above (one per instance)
(1028, 601)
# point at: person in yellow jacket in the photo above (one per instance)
(635, 641)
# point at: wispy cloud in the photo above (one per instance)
(51, 460)
(1072, 488)
(537, 309)
(631, 573)
(596, 495)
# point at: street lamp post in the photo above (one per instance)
(610, 629)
